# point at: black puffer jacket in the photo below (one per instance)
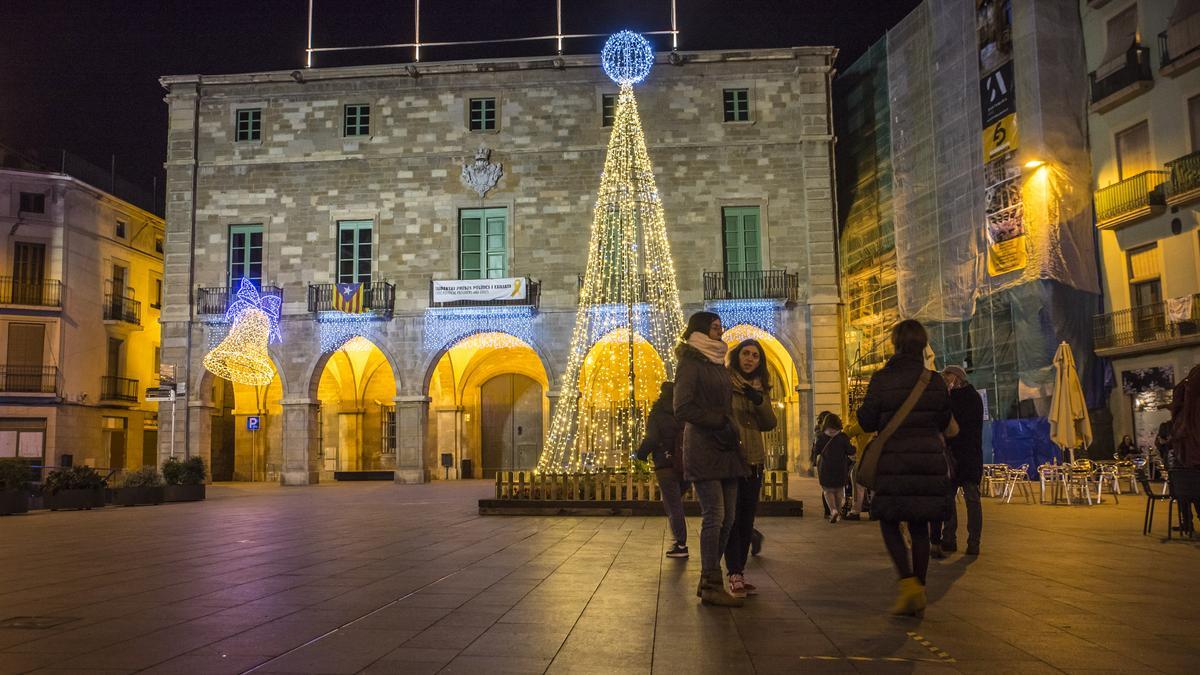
(704, 406)
(967, 446)
(663, 438)
(912, 480)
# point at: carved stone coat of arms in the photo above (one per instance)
(481, 175)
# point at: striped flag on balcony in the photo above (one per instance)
(348, 298)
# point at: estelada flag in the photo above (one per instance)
(348, 298)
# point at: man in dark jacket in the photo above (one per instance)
(967, 451)
(664, 443)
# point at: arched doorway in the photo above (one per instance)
(246, 430)
(612, 416)
(510, 423)
(783, 443)
(356, 391)
(488, 407)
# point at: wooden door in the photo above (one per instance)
(510, 424)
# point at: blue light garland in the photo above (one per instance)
(337, 328)
(758, 313)
(446, 326)
(627, 57)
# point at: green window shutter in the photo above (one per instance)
(245, 254)
(355, 250)
(743, 248)
(483, 247)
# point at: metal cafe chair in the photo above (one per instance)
(995, 478)
(1152, 501)
(1017, 477)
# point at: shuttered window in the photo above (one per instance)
(743, 249)
(483, 252)
(245, 254)
(1143, 262)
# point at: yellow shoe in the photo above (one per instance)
(911, 598)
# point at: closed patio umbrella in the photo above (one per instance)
(1070, 426)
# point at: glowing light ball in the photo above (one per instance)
(627, 57)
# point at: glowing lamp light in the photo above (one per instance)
(1035, 164)
(627, 57)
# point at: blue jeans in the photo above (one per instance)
(718, 506)
(672, 488)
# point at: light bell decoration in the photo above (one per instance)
(254, 323)
(629, 316)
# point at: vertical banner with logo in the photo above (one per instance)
(1003, 208)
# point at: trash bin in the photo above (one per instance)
(467, 469)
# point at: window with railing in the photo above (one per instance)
(1148, 323)
(1133, 69)
(387, 431)
(114, 388)
(1184, 180)
(1182, 37)
(751, 285)
(122, 308)
(1134, 194)
(215, 299)
(377, 297)
(35, 292)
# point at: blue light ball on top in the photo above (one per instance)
(627, 57)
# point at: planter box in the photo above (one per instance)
(137, 496)
(75, 499)
(13, 501)
(184, 493)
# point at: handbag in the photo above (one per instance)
(868, 466)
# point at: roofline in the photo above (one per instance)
(103, 194)
(498, 64)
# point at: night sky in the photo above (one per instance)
(83, 74)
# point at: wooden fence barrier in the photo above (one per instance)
(607, 486)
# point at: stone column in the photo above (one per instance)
(198, 428)
(412, 419)
(300, 442)
(449, 429)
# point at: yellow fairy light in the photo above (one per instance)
(628, 318)
(242, 356)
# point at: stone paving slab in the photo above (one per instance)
(383, 578)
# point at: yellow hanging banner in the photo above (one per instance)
(1007, 256)
(1000, 138)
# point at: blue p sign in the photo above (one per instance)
(253, 422)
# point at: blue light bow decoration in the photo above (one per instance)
(758, 313)
(627, 57)
(446, 326)
(248, 297)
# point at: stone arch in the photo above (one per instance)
(315, 366)
(429, 364)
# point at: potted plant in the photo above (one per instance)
(185, 480)
(14, 486)
(77, 487)
(140, 486)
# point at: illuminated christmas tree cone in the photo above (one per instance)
(242, 356)
(629, 316)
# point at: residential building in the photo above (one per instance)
(1144, 129)
(397, 176)
(80, 296)
(962, 193)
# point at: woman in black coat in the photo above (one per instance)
(912, 478)
(834, 451)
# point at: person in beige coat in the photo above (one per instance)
(753, 414)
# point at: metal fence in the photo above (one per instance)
(1133, 193)
(29, 379)
(39, 293)
(1147, 323)
(763, 284)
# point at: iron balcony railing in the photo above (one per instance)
(760, 285)
(215, 300)
(1147, 323)
(29, 379)
(118, 389)
(1130, 195)
(1185, 177)
(1167, 57)
(1135, 69)
(378, 297)
(121, 308)
(533, 293)
(38, 292)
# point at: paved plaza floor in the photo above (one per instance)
(387, 578)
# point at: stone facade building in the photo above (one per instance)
(307, 179)
(80, 293)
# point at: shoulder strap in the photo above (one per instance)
(905, 408)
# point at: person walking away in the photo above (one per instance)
(911, 480)
(966, 450)
(703, 402)
(753, 414)
(833, 450)
(664, 442)
(1185, 446)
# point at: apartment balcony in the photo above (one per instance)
(1129, 80)
(760, 285)
(122, 309)
(1184, 56)
(16, 379)
(213, 301)
(532, 288)
(118, 389)
(1133, 199)
(1184, 183)
(1156, 327)
(377, 298)
(42, 293)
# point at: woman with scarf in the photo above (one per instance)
(703, 402)
(753, 414)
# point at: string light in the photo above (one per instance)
(446, 326)
(629, 316)
(241, 356)
(335, 329)
(627, 57)
(760, 313)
